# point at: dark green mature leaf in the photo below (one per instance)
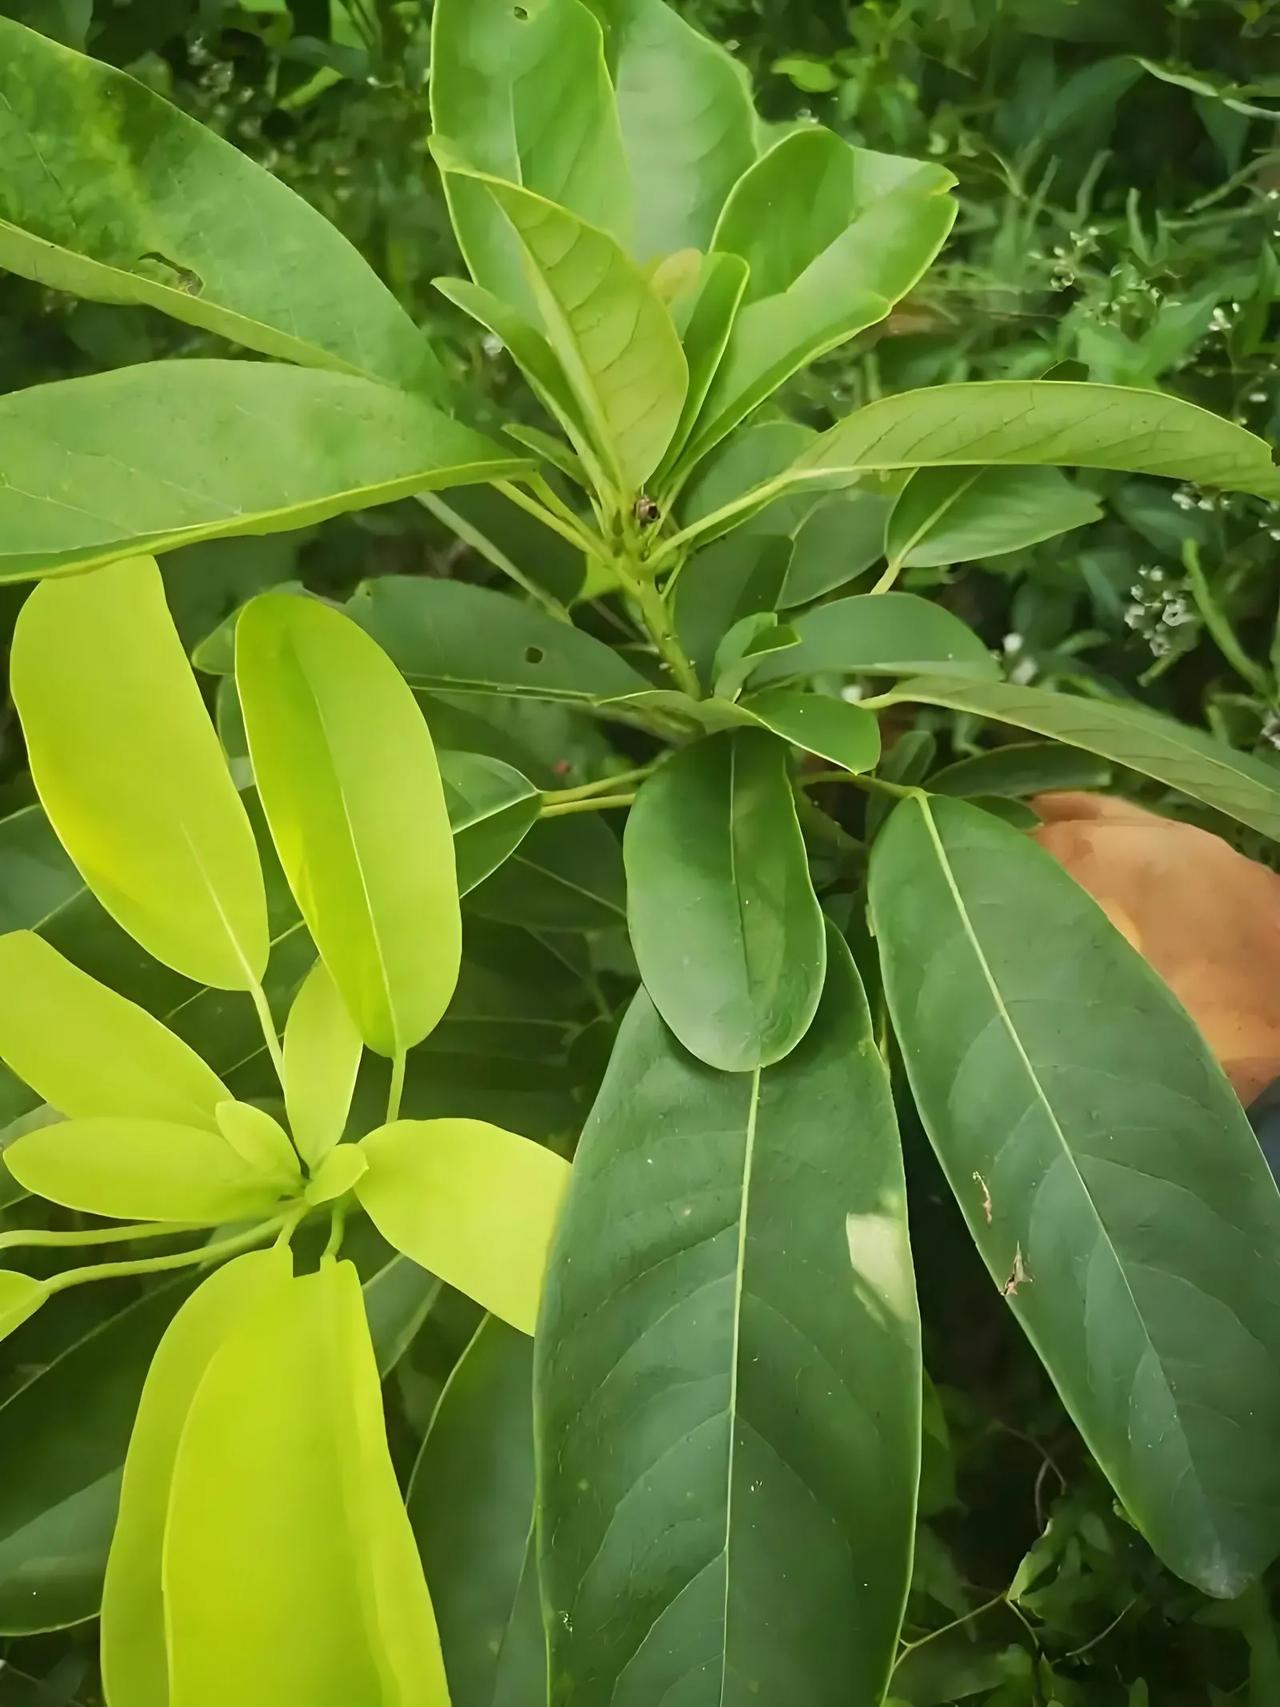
(566, 875)
(831, 728)
(523, 93)
(729, 1423)
(471, 1506)
(878, 634)
(688, 127)
(111, 192)
(1106, 1171)
(491, 810)
(724, 922)
(834, 236)
(169, 453)
(448, 635)
(838, 541)
(1023, 767)
(735, 578)
(1244, 787)
(951, 515)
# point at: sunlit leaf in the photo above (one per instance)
(261, 1143)
(322, 1051)
(491, 810)
(20, 1297)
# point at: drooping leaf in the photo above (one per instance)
(114, 193)
(1106, 1171)
(1022, 767)
(950, 515)
(132, 776)
(688, 127)
(566, 875)
(284, 1500)
(261, 1143)
(170, 453)
(87, 1051)
(141, 1170)
(134, 1659)
(523, 93)
(1244, 787)
(724, 922)
(728, 1423)
(322, 1049)
(834, 236)
(470, 1503)
(350, 786)
(492, 808)
(63, 1433)
(447, 635)
(471, 1203)
(831, 728)
(20, 1297)
(878, 634)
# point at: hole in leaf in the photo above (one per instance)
(533, 654)
(520, 12)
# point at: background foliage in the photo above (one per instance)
(1119, 170)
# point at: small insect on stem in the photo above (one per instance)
(646, 510)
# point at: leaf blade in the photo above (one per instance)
(322, 1050)
(877, 634)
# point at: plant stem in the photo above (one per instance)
(179, 1259)
(872, 784)
(606, 785)
(593, 803)
(100, 1235)
(396, 1092)
(263, 1009)
(890, 575)
(657, 619)
(337, 1226)
(484, 546)
(575, 534)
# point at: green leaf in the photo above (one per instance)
(749, 640)
(1033, 423)
(348, 778)
(878, 634)
(834, 236)
(704, 319)
(169, 453)
(566, 875)
(831, 728)
(1023, 767)
(141, 1170)
(261, 1143)
(63, 1434)
(610, 332)
(492, 808)
(447, 635)
(688, 126)
(471, 1203)
(751, 457)
(134, 1659)
(20, 1297)
(729, 1428)
(322, 1050)
(524, 94)
(724, 922)
(87, 1051)
(840, 540)
(470, 1503)
(98, 672)
(336, 1175)
(950, 515)
(735, 578)
(1106, 1171)
(1244, 787)
(115, 194)
(284, 1500)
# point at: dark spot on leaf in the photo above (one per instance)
(520, 12)
(183, 278)
(533, 654)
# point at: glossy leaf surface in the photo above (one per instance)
(1106, 1171)
(724, 922)
(831, 728)
(322, 1051)
(728, 1436)
(20, 1296)
(170, 453)
(877, 634)
(88, 1051)
(132, 776)
(261, 1143)
(469, 1202)
(1244, 787)
(114, 193)
(349, 782)
(492, 808)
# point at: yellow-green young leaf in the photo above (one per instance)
(321, 1057)
(261, 1143)
(351, 789)
(471, 1203)
(337, 1174)
(141, 1170)
(290, 1575)
(114, 193)
(131, 773)
(20, 1297)
(86, 1050)
(135, 1670)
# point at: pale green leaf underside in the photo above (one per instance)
(952, 515)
